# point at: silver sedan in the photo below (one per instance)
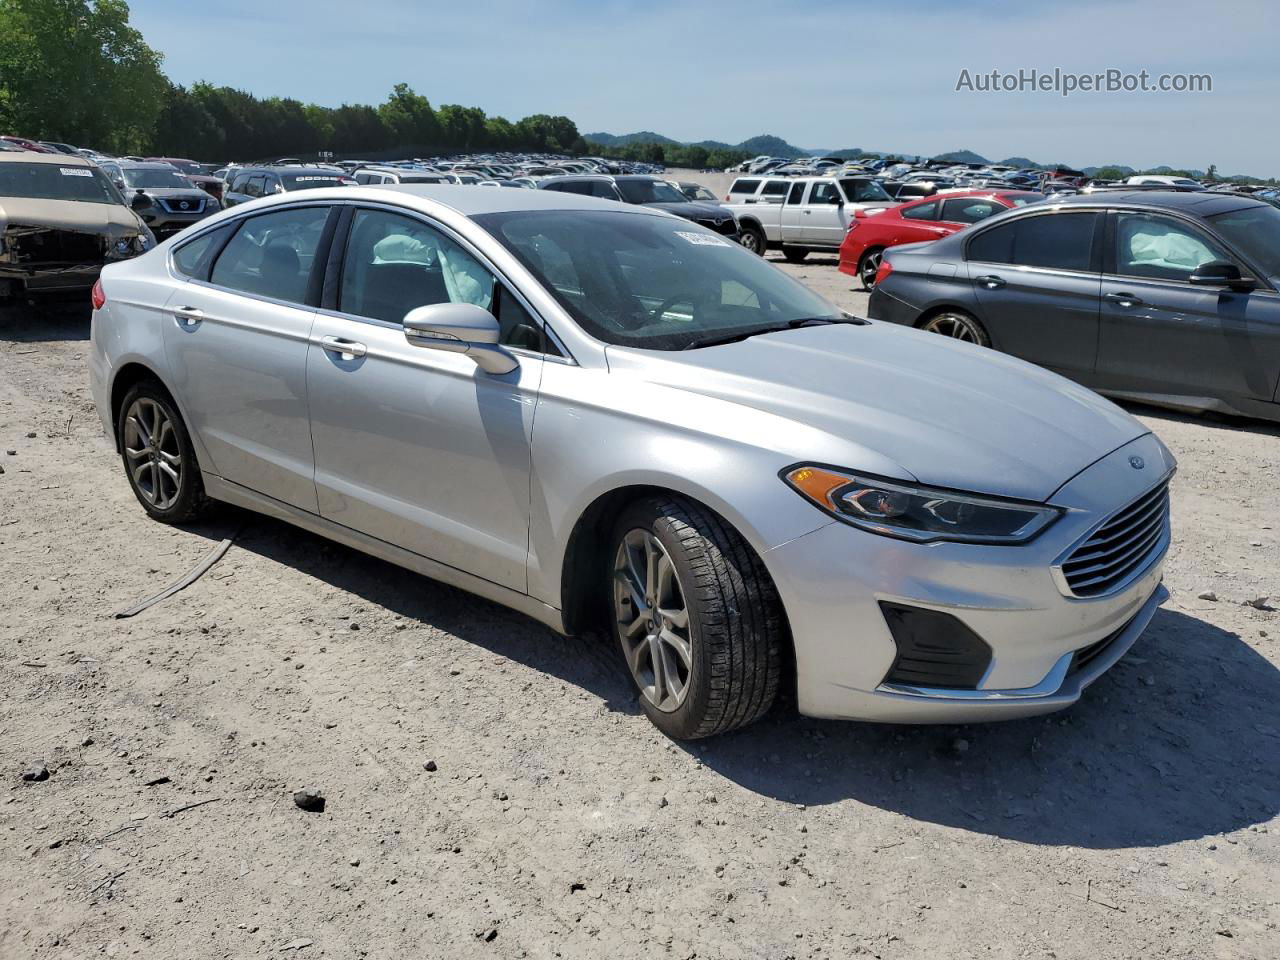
(603, 415)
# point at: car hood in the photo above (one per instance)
(693, 211)
(76, 215)
(176, 193)
(879, 397)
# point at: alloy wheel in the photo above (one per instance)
(955, 326)
(152, 451)
(653, 621)
(870, 267)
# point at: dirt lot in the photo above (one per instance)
(554, 821)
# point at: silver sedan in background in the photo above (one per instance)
(600, 414)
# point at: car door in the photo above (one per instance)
(236, 334)
(824, 217)
(1161, 334)
(919, 223)
(1036, 279)
(419, 447)
(792, 215)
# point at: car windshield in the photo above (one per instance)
(51, 181)
(652, 281)
(649, 191)
(306, 181)
(1255, 232)
(864, 191)
(147, 179)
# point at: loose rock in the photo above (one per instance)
(1207, 595)
(36, 773)
(310, 800)
(430, 766)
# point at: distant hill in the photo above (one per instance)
(763, 144)
(961, 156)
(644, 136)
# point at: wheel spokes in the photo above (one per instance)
(653, 621)
(152, 453)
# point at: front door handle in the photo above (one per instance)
(188, 316)
(348, 348)
(1125, 299)
(991, 282)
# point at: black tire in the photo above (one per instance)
(958, 325)
(868, 264)
(752, 237)
(736, 625)
(795, 254)
(180, 501)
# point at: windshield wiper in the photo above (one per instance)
(739, 335)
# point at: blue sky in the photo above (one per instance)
(836, 74)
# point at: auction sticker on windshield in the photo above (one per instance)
(702, 239)
(75, 172)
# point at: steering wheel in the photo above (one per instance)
(657, 312)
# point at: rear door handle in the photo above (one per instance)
(991, 282)
(1125, 299)
(348, 348)
(188, 316)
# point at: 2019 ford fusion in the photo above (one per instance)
(599, 413)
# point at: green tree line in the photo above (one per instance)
(76, 71)
(692, 156)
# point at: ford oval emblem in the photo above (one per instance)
(1137, 463)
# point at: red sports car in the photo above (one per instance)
(918, 221)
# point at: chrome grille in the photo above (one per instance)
(174, 204)
(1121, 547)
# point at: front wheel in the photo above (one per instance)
(158, 457)
(868, 267)
(752, 239)
(959, 326)
(697, 617)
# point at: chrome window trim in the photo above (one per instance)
(428, 220)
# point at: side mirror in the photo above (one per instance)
(460, 328)
(1221, 273)
(837, 200)
(140, 201)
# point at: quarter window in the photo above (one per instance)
(775, 188)
(271, 255)
(1154, 246)
(1059, 241)
(192, 258)
(747, 187)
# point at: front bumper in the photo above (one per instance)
(834, 580)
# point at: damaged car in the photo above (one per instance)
(61, 220)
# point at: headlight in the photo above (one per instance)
(922, 514)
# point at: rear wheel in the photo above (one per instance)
(794, 254)
(868, 267)
(959, 326)
(697, 618)
(158, 457)
(752, 238)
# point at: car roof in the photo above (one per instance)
(466, 200)
(60, 159)
(146, 165)
(1198, 203)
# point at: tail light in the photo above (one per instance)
(886, 268)
(98, 296)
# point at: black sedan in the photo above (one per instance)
(1168, 298)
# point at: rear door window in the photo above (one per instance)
(775, 188)
(925, 211)
(272, 255)
(797, 192)
(969, 209)
(1058, 241)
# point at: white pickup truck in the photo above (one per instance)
(812, 213)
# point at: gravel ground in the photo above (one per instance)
(493, 791)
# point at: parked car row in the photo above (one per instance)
(1167, 297)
